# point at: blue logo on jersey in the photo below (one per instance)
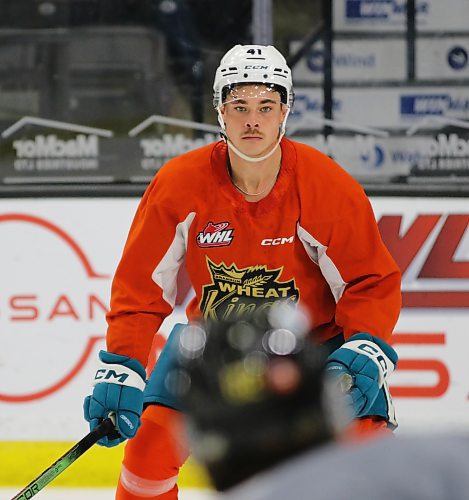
(457, 58)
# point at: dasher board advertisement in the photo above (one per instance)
(365, 60)
(57, 261)
(391, 15)
(429, 239)
(367, 157)
(37, 150)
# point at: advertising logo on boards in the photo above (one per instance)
(457, 58)
(431, 247)
(307, 110)
(432, 251)
(159, 148)
(445, 155)
(381, 9)
(364, 150)
(53, 306)
(373, 158)
(343, 59)
(58, 147)
(46, 310)
(432, 104)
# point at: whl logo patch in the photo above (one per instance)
(215, 235)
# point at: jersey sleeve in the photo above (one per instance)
(342, 237)
(144, 285)
(371, 298)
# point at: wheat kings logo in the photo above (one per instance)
(235, 291)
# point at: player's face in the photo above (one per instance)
(253, 115)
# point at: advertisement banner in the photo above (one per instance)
(385, 107)
(156, 148)
(353, 60)
(371, 158)
(442, 58)
(378, 16)
(36, 150)
(57, 260)
(366, 60)
(429, 239)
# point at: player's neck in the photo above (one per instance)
(254, 180)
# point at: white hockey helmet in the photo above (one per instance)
(262, 64)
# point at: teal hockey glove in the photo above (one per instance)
(118, 390)
(369, 361)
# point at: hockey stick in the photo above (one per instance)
(35, 486)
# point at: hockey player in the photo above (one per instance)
(255, 218)
(268, 425)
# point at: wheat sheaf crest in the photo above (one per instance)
(254, 276)
(257, 281)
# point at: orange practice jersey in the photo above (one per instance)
(313, 240)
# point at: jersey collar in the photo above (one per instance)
(284, 180)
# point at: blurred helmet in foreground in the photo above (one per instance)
(253, 392)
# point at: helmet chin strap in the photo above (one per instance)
(253, 159)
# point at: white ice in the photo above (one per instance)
(97, 494)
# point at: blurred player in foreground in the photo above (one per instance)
(268, 424)
(255, 218)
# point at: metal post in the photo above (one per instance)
(328, 60)
(262, 32)
(411, 32)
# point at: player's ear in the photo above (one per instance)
(222, 114)
(283, 110)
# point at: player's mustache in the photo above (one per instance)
(252, 133)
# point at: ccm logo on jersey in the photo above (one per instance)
(276, 241)
(215, 235)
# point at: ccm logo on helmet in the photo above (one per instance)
(276, 241)
(257, 66)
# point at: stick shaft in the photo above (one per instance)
(65, 460)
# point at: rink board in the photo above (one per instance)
(57, 260)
